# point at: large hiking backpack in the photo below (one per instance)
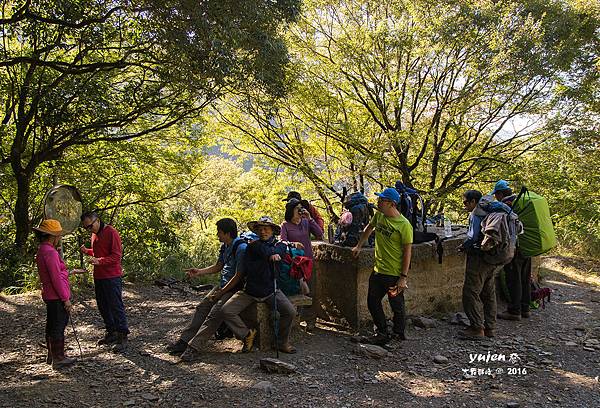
(538, 236)
(499, 244)
(293, 267)
(411, 205)
(362, 211)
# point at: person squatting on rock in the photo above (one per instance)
(56, 291)
(105, 254)
(393, 245)
(259, 271)
(207, 318)
(518, 271)
(479, 291)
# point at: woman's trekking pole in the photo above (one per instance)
(275, 311)
(76, 338)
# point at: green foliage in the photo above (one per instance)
(566, 173)
(437, 98)
(111, 98)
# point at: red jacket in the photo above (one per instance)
(106, 246)
(53, 273)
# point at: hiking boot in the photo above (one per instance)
(109, 338)
(509, 316)
(190, 355)
(249, 341)
(489, 333)
(177, 348)
(59, 360)
(472, 333)
(526, 314)
(287, 348)
(121, 343)
(378, 339)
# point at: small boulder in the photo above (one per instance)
(460, 319)
(424, 322)
(273, 365)
(371, 351)
(265, 386)
(439, 359)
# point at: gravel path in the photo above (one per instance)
(557, 360)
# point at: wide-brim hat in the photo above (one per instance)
(51, 227)
(264, 221)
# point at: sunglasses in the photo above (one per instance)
(89, 226)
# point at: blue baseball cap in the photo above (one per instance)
(500, 185)
(389, 194)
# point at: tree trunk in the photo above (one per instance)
(22, 220)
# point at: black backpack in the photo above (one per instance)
(361, 211)
(411, 205)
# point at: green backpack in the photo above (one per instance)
(538, 236)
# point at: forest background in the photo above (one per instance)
(168, 115)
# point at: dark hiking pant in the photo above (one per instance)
(56, 319)
(378, 287)
(110, 304)
(518, 278)
(479, 292)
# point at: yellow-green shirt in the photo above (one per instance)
(390, 235)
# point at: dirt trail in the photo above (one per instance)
(554, 368)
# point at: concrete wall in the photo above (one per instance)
(342, 281)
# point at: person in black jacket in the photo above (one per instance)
(259, 265)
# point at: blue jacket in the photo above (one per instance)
(258, 269)
(474, 236)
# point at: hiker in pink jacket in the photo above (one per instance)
(56, 291)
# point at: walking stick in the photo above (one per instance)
(76, 338)
(275, 311)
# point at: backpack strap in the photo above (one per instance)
(521, 194)
(235, 247)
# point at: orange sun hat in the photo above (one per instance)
(50, 226)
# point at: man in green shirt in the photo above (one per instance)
(393, 243)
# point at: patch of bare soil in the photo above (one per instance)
(555, 359)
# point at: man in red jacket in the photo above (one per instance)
(106, 255)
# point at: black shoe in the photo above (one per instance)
(177, 348)
(399, 336)
(509, 316)
(190, 355)
(109, 338)
(223, 332)
(121, 343)
(379, 339)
